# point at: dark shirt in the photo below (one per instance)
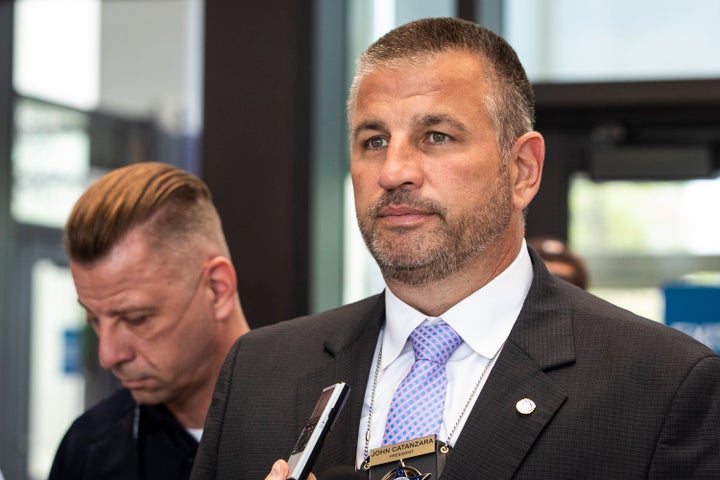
(103, 444)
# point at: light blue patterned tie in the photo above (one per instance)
(417, 408)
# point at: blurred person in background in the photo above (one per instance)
(561, 260)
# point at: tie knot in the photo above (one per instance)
(434, 342)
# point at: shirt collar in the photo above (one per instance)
(483, 319)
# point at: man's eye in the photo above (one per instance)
(376, 142)
(93, 322)
(437, 137)
(136, 320)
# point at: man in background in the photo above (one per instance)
(153, 272)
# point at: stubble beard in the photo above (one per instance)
(418, 258)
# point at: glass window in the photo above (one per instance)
(615, 40)
(638, 236)
(51, 161)
(57, 51)
(631, 218)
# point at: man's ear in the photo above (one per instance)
(223, 282)
(526, 163)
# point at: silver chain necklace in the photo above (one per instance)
(445, 448)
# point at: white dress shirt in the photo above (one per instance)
(483, 320)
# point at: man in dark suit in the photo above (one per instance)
(544, 380)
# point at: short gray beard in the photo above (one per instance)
(455, 245)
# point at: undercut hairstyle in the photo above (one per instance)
(173, 207)
(511, 100)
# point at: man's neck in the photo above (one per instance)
(436, 297)
(190, 414)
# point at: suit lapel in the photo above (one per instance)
(350, 352)
(497, 437)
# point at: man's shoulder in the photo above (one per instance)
(591, 321)
(317, 326)
(308, 341)
(100, 436)
(603, 321)
(105, 415)
(359, 309)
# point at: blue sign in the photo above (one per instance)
(72, 351)
(695, 310)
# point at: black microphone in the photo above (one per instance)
(342, 472)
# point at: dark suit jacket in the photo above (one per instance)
(618, 396)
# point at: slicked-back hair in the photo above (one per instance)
(171, 205)
(511, 101)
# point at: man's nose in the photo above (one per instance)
(402, 166)
(114, 347)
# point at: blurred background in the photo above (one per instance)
(250, 96)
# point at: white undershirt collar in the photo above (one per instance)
(483, 319)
